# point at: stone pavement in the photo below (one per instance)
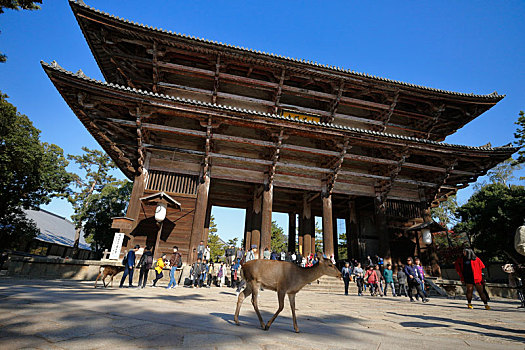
(73, 315)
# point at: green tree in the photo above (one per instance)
(31, 174)
(318, 232)
(214, 241)
(519, 135)
(17, 5)
(100, 209)
(279, 239)
(341, 247)
(96, 166)
(233, 241)
(490, 219)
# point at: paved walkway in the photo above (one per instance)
(74, 315)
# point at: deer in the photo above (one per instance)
(285, 278)
(108, 270)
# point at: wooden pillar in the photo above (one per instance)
(207, 224)
(134, 203)
(256, 218)
(266, 222)
(312, 229)
(306, 226)
(328, 233)
(352, 232)
(156, 253)
(292, 219)
(199, 217)
(382, 230)
(336, 238)
(247, 228)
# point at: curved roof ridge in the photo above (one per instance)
(492, 96)
(80, 75)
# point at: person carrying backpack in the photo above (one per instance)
(175, 263)
(129, 265)
(145, 262)
(158, 269)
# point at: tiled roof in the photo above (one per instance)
(55, 229)
(492, 96)
(79, 75)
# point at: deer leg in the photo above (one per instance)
(291, 297)
(96, 280)
(242, 295)
(280, 296)
(255, 294)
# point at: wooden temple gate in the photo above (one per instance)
(212, 124)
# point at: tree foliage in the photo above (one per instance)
(318, 234)
(490, 218)
(214, 242)
(96, 166)
(100, 209)
(445, 212)
(31, 173)
(341, 247)
(17, 5)
(279, 239)
(519, 135)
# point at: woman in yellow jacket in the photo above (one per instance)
(158, 269)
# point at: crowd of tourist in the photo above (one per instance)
(404, 280)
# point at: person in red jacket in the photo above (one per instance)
(469, 268)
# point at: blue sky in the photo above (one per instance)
(466, 46)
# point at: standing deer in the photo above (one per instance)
(108, 270)
(282, 277)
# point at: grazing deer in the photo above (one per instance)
(282, 277)
(108, 270)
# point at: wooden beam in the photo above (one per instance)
(336, 169)
(335, 102)
(279, 92)
(216, 80)
(275, 158)
(388, 114)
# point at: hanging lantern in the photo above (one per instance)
(160, 212)
(427, 236)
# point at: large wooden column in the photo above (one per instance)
(306, 226)
(292, 219)
(328, 233)
(256, 218)
(266, 222)
(139, 184)
(352, 232)
(199, 218)
(312, 229)
(336, 238)
(382, 230)
(248, 228)
(207, 224)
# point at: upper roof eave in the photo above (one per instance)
(77, 5)
(55, 67)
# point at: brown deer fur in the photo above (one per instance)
(282, 277)
(109, 270)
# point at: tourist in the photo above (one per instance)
(266, 254)
(145, 263)
(359, 276)
(469, 268)
(369, 261)
(380, 281)
(175, 263)
(240, 254)
(388, 275)
(211, 274)
(235, 274)
(161, 262)
(252, 253)
(221, 275)
(129, 264)
(421, 271)
(515, 282)
(294, 258)
(372, 280)
(200, 250)
(207, 253)
(283, 256)
(402, 281)
(228, 253)
(413, 280)
(346, 272)
(332, 259)
(198, 270)
(273, 255)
